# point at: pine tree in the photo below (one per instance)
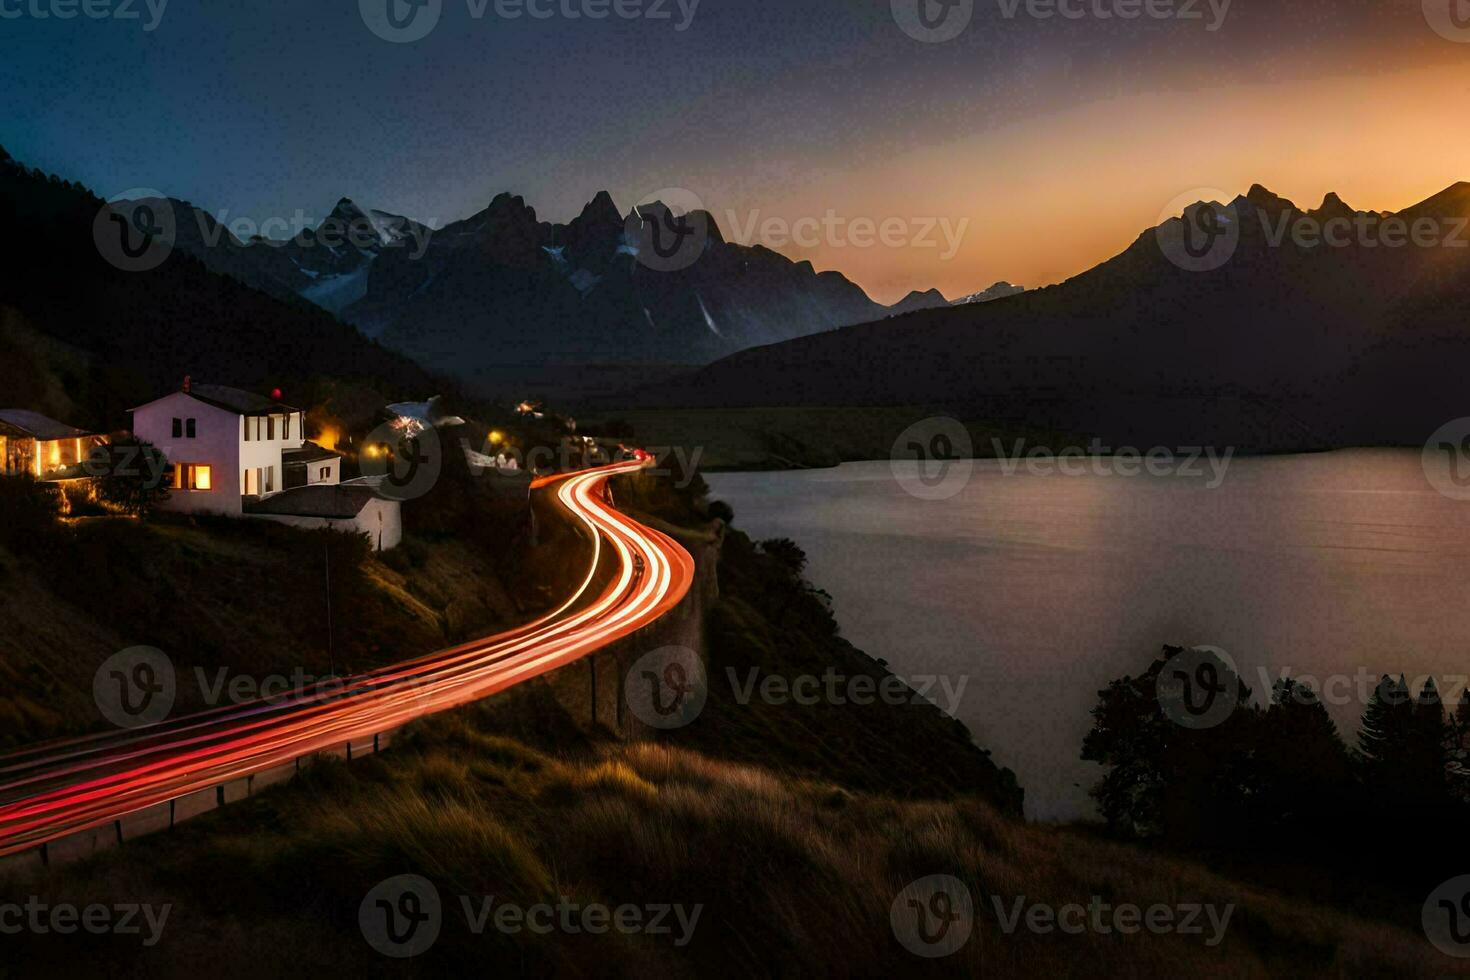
(1385, 720)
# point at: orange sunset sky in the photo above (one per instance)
(1051, 196)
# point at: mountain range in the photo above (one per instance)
(1323, 327)
(83, 340)
(503, 289)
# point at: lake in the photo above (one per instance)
(1034, 588)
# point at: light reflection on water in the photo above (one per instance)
(1042, 588)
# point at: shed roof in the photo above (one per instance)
(38, 426)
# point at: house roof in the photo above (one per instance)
(309, 453)
(338, 502)
(235, 400)
(38, 426)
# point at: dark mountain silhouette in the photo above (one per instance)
(79, 335)
(503, 289)
(327, 265)
(1290, 342)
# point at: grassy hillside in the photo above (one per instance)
(801, 873)
(247, 597)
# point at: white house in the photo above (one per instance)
(236, 453)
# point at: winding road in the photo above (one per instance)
(52, 791)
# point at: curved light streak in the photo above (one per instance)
(51, 791)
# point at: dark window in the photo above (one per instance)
(287, 433)
(247, 428)
(326, 473)
(270, 428)
(178, 428)
(189, 428)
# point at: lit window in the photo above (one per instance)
(201, 478)
(176, 477)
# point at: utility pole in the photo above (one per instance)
(327, 564)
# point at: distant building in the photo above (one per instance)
(45, 448)
(236, 453)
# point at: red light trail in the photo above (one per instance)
(51, 791)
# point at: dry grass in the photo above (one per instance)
(794, 877)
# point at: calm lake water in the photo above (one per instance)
(1038, 589)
